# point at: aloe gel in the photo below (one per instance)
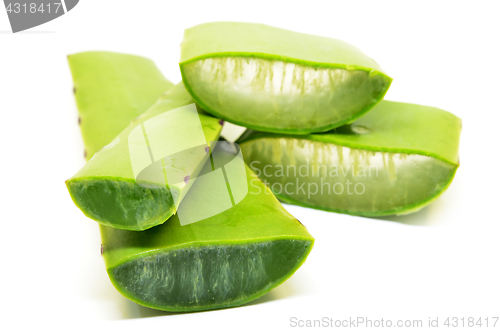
(109, 189)
(275, 80)
(222, 261)
(134, 82)
(395, 160)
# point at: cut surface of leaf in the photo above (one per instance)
(111, 90)
(222, 261)
(304, 83)
(108, 189)
(395, 160)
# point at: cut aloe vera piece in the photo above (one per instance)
(394, 160)
(111, 90)
(225, 260)
(222, 261)
(276, 80)
(117, 186)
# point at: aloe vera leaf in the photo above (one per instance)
(222, 261)
(254, 236)
(275, 80)
(134, 82)
(106, 190)
(395, 160)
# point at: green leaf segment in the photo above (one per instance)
(223, 261)
(106, 189)
(280, 81)
(394, 160)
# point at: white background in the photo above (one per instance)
(440, 262)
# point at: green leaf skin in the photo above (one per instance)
(105, 189)
(223, 261)
(275, 80)
(111, 90)
(403, 155)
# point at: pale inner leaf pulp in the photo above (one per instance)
(209, 276)
(338, 178)
(279, 95)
